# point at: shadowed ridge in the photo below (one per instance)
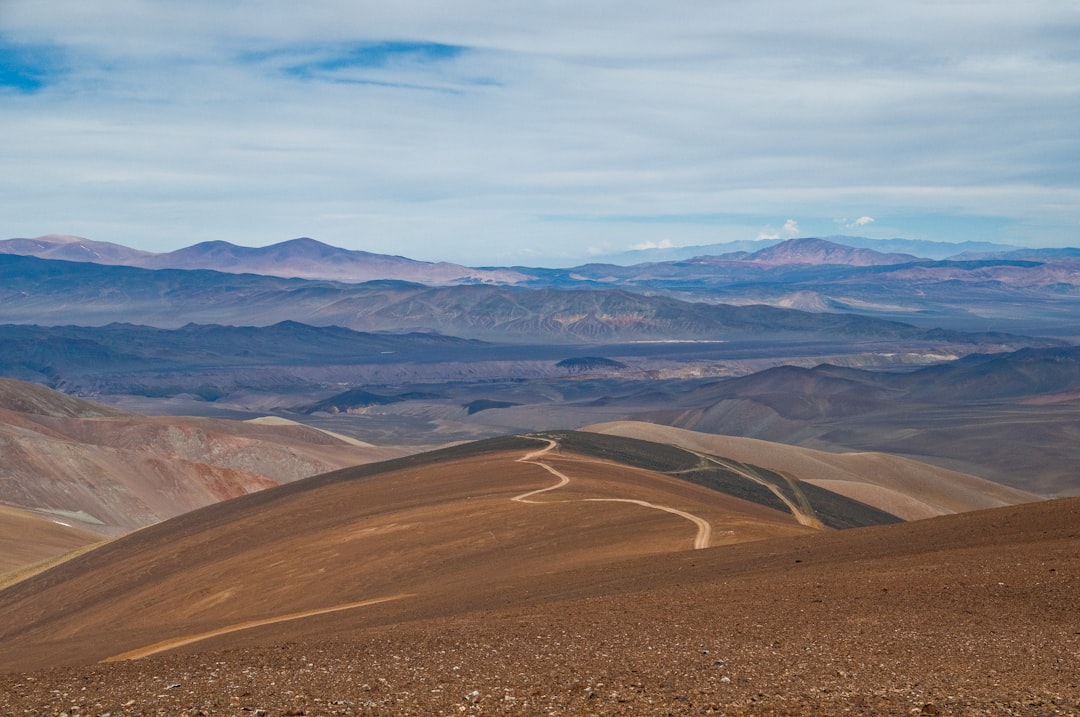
(900, 486)
(809, 503)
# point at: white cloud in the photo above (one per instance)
(791, 228)
(855, 223)
(662, 244)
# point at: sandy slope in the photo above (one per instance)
(906, 488)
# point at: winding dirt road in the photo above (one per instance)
(704, 528)
(175, 642)
(701, 540)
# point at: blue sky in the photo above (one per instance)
(541, 132)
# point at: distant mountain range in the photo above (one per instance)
(1017, 291)
(51, 292)
(820, 252)
(1027, 290)
(301, 258)
(1008, 416)
(206, 360)
(307, 258)
(835, 390)
(916, 247)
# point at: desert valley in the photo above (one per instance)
(828, 475)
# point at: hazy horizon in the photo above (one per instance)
(663, 252)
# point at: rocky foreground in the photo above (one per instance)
(964, 615)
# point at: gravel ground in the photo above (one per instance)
(877, 637)
(976, 614)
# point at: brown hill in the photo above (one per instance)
(1009, 417)
(430, 534)
(109, 472)
(430, 590)
(906, 488)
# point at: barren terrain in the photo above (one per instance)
(312, 560)
(436, 530)
(968, 614)
(27, 538)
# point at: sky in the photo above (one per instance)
(543, 133)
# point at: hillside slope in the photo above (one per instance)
(429, 534)
(1009, 417)
(109, 472)
(972, 613)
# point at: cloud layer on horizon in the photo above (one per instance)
(485, 132)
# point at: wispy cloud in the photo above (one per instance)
(460, 130)
(407, 65)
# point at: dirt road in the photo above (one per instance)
(175, 642)
(704, 528)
